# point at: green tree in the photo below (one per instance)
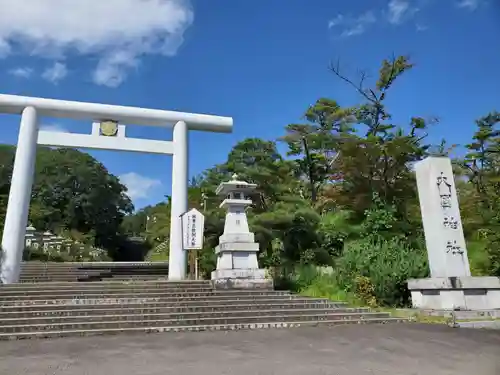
(315, 144)
(482, 168)
(375, 155)
(256, 161)
(72, 193)
(72, 190)
(6, 163)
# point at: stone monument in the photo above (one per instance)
(450, 286)
(237, 264)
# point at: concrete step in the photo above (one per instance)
(124, 305)
(41, 279)
(66, 271)
(92, 286)
(59, 272)
(104, 294)
(104, 283)
(40, 276)
(189, 321)
(68, 308)
(193, 328)
(94, 264)
(85, 310)
(5, 295)
(135, 285)
(90, 272)
(129, 269)
(48, 279)
(142, 299)
(139, 277)
(79, 273)
(72, 272)
(186, 316)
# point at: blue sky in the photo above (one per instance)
(261, 62)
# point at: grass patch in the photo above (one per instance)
(157, 257)
(415, 316)
(325, 286)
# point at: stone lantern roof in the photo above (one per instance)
(234, 185)
(30, 228)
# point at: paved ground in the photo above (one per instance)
(354, 350)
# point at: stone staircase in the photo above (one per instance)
(32, 272)
(56, 309)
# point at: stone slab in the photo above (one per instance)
(455, 293)
(463, 314)
(239, 274)
(237, 237)
(472, 282)
(237, 246)
(484, 324)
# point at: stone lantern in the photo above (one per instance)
(237, 264)
(30, 236)
(47, 241)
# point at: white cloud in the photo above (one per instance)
(138, 186)
(400, 10)
(119, 32)
(54, 128)
(352, 25)
(421, 27)
(469, 4)
(4, 48)
(111, 70)
(338, 20)
(21, 72)
(55, 73)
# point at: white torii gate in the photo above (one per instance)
(29, 136)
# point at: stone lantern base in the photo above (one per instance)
(237, 266)
(241, 279)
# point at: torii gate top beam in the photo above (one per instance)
(125, 115)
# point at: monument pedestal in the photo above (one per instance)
(455, 293)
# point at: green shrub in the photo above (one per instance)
(478, 258)
(388, 264)
(294, 278)
(334, 229)
(493, 251)
(207, 261)
(365, 290)
(51, 255)
(310, 281)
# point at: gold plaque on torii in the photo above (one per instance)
(109, 128)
